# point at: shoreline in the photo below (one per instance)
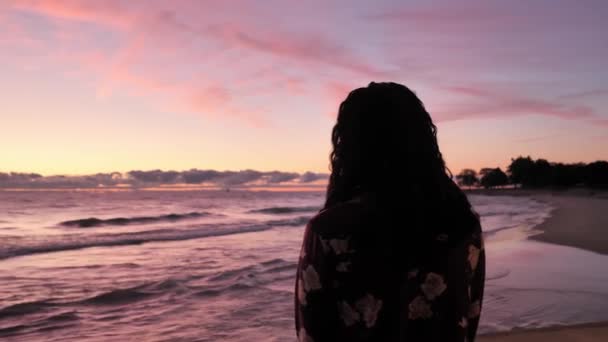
(588, 332)
(578, 220)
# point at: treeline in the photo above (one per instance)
(528, 173)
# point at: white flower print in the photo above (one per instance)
(419, 308)
(325, 245)
(340, 246)
(473, 257)
(474, 309)
(302, 253)
(301, 292)
(433, 286)
(303, 336)
(464, 322)
(348, 314)
(369, 307)
(310, 279)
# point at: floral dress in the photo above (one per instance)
(350, 287)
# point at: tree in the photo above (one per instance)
(530, 173)
(596, 174)
(521, 170)
(493, 177)
(566, 175)
(542, 173)
(467, 177)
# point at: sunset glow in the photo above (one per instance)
(102, 86)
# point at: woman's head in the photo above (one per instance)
(384, 141)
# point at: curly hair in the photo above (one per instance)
(385, 142)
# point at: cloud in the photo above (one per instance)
(153, 178)
(208, 59)
(158, 41)
(309, 177)
(112, 13)
(195, 176)
(488, 101)
(37, 181)
(600, 122)
(585, 94)
(280, 177)
(240, 177)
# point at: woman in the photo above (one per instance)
(396, 254)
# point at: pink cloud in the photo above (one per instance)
(600, 122)
(154, 37)
(109, 12)
(586, 94)
(437, 19)
(487, 102)
(291, 46)
(158, 44)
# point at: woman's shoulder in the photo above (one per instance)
(342, 218)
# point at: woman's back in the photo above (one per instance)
(397, 252)
(356, 283)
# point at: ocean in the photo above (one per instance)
(219, 266)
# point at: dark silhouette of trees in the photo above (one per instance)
(521, 170)
(568, 175)
(467, 177)
(493, 177)
(543, 173)
(540, 173)
(530, 173)
(596, 174)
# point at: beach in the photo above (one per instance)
(219, 266)
(596, 332)
(578, 220)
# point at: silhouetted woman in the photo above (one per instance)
(397, 253)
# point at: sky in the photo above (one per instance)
(103, 86)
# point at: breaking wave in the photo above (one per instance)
(123, 221)
(18, 247)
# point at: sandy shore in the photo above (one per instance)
(580, 219)
(577, 221)
(597, 332)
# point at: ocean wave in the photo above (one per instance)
(123, 221)
(25, 308)
(52, 322)
(498, 275)
(212, 292)
(118, 296)
(80, 241)
(298, 221)
(284, 210)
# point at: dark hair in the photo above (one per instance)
(385, 142)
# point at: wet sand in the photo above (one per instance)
(579, 220)
(597, 332)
